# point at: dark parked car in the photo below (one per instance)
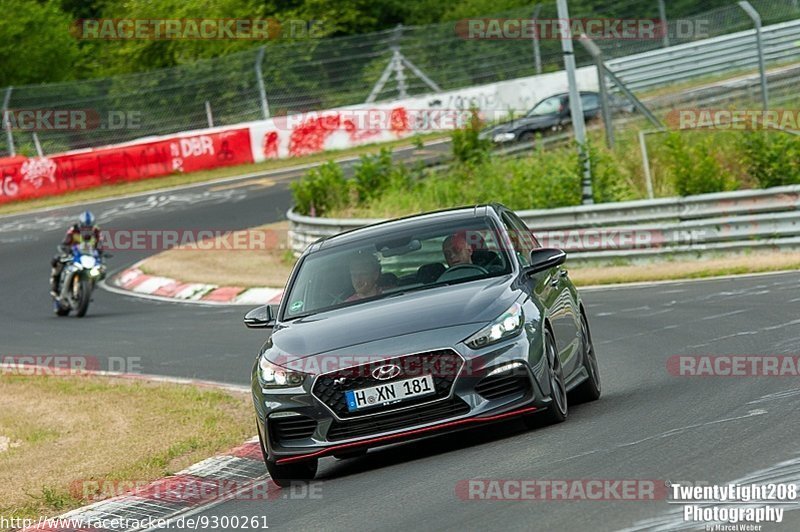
(414, 327)
(550, 114)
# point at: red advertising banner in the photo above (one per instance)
(23, 177)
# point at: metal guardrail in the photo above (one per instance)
(724, 222)
(727, 53)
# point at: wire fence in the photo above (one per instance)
(286, 77)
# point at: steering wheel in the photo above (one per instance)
(459, 271)
(336, 298)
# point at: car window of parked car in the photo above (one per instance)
(395, 263)
(590, 102)
(548, 106)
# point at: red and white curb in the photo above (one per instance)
(240, 473)
(135, 282)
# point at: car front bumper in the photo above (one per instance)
(296, 425)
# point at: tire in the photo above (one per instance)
(284, 475)
(527, 138)
(590, 389)
(84, 296)
(557, 410)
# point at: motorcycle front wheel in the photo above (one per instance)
(82, 294)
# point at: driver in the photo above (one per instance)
(365, 270)
(83, 232)
(458, 248)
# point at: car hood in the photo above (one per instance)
(445, 307)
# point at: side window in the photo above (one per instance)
(521, 238)
(589, 102)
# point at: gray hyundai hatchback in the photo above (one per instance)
(415, 327)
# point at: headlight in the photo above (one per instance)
(508, 324)
(94, 272)
(273, 376)
(87, 261)
(504, 137)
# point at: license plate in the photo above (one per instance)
(389, 393)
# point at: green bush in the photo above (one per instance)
(772, 158)
(321, 190)
(467, 145)
(695, 170)
(373, 175)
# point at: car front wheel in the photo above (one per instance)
(284, 475)
(557, 409)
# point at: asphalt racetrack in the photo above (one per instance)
(650, 424)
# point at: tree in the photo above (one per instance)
(35, 43)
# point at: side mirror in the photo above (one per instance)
(261, 317)
(545, 258)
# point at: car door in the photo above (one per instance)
(553, 289)
(590, 102)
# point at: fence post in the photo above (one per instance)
(753, 14)
(37, 144)
(537, 54)
(6, 124)
(209, 116)
(648, 179)
(662, 13)
(262, 92)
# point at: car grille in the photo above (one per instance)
(443, 365)
(292, 428)
(379, 423)
(503, 384)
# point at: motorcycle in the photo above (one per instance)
(82, 269)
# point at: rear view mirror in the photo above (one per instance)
(545, 258)
(261, 317)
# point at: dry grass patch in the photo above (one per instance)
(60, 431)
(686, 268)
(269, 265)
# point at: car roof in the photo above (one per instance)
(408, 222)
(562, 94)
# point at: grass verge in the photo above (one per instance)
(59, 431)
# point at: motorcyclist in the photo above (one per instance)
(83, 232)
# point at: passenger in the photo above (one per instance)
(458, 248)
(365, 271)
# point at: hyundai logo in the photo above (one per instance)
(386, 372)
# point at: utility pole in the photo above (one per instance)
(575, 107)
(662, 12)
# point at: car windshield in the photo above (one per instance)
(389, 265)
(549, 106)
